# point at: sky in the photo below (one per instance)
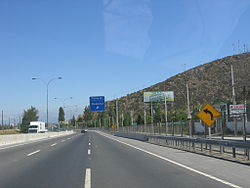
(107, 47)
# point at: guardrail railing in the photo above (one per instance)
(221, 146)
(213, 146)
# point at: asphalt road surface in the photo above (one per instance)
(100, 160)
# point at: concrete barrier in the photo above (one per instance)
(21, 138)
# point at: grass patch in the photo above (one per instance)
(9, 131)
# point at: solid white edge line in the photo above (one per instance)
(89, 152)
(87, 178)
(37, 151)
(53, 144)
(178, 164)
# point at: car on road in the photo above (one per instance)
(84, 131)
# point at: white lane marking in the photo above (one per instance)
(89, 144)
(89, 152)
(37, 151)
(87, 178)
(178, 164)
(53, 144)
(63, 141)
(69, 138)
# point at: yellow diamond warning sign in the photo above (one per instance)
(208, 114)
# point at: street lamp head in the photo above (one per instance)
(60, 78)
(34, 78)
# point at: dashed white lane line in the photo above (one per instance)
(87, 178)
(68, 138)
(89, 152)
(63, 141)
(53, 144)
(37, 151)
(89, 144)
(178, 164)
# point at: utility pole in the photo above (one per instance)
(2, 117)
(244, 115)
(166, 113)
(152, 117)
(234, 100)
(145, 118)
(122, 119)
(132, 118)
(117, 115)
(189, 112)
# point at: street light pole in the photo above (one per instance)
(47, 88)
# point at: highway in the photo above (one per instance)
(100, 160)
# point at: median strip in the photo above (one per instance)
(33, 153)
(87, 178)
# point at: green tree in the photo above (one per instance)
(28, 116)
(157, 115)
(73, 121)
(139, 120)
(61, 116)
(127, 120)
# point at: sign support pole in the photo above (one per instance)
(152, 118)
(209, 132)
(166, 115)
(145, 118)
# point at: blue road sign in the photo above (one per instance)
(97, 103)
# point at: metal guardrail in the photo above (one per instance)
(201, 144)
(226, 143)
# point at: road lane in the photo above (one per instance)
(116, 165)
(103, 161)
(59, 166)
(229, 171)
(16, 153)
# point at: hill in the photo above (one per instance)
(208, 83)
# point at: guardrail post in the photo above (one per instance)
(247, 154)
(234, 154)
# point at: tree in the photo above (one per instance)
(127, 120)
(157, 115)
(61, 116)
(139, 120)
(73, 121)
(28, 116)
